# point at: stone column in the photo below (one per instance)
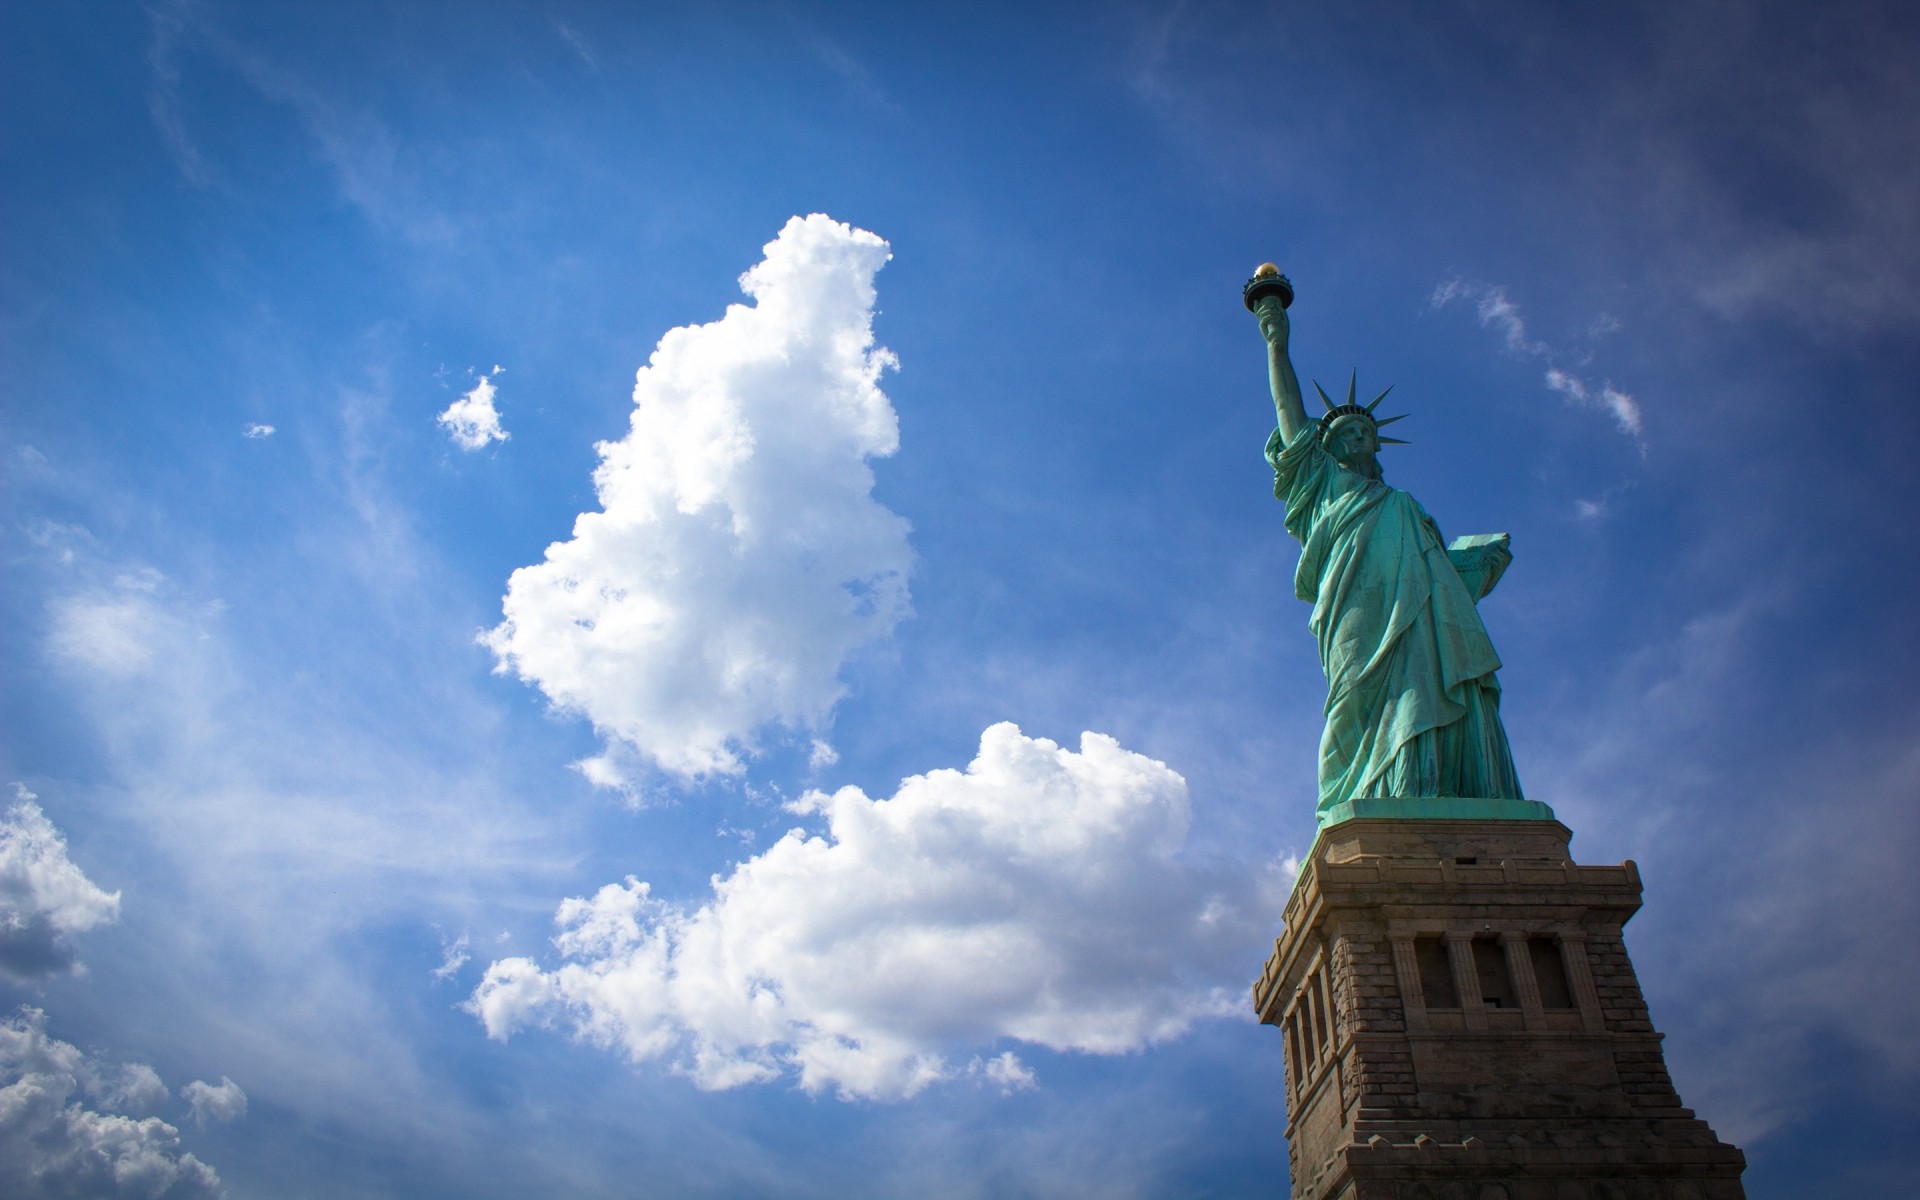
(1573, 951)
(1520, 967)
(1466, 978)
(1406, 968)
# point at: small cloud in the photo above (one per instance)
(1495, 310)
(578, 44)
(30, 464)
(1571, 386)
(821, 755)
(745, 837)
(1589, 510)
(139, 579)
(614, 769)
(256, 431)
(1004, 1071)
(454, 955)
(1498, 312)
(852, 72)
(163, 97)
(216, 1103)
(44, 898)
(472, 421)
(1625, 410)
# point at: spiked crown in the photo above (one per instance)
(1352, 409)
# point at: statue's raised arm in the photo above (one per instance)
(1268, 294)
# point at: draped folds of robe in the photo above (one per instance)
(1413, 707)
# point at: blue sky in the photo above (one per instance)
(353, 863)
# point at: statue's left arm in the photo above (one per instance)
(1481, 559)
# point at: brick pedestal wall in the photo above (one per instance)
(1462, 1022)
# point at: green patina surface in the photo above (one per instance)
(1413, 702)
(1439, 808)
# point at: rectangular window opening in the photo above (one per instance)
(1550, 972)
(1293, 1041)
(1436, 973)
(1319, 1016)
(1496, 982)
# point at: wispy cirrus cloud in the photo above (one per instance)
(163, 95)
(453, 956)
(578, 43)
(370, 166)
(264, 825)
(1498, 312)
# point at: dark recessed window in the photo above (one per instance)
(1436, 973)
(1496, 982)
(1550, 972)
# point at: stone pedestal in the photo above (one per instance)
(1462, 1023)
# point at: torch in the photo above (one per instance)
(1267, 281)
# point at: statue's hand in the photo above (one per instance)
(1273, 321)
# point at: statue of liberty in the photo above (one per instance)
(1413, 705)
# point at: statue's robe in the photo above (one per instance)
(1413, 707)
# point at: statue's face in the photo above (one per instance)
(1352, 440)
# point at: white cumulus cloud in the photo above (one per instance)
(52, 1145)
(256, 431)
(738, 558)
(472, 421)
(44, 897)
(219, 1102)
(1039, 896)
(131, 1088)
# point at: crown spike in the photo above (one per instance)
(1353, 382)
(1378, 399)
(1387, 441)
(1326, 401)
(1390, 420)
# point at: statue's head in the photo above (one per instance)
(1351, 438)
(1351, 433)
